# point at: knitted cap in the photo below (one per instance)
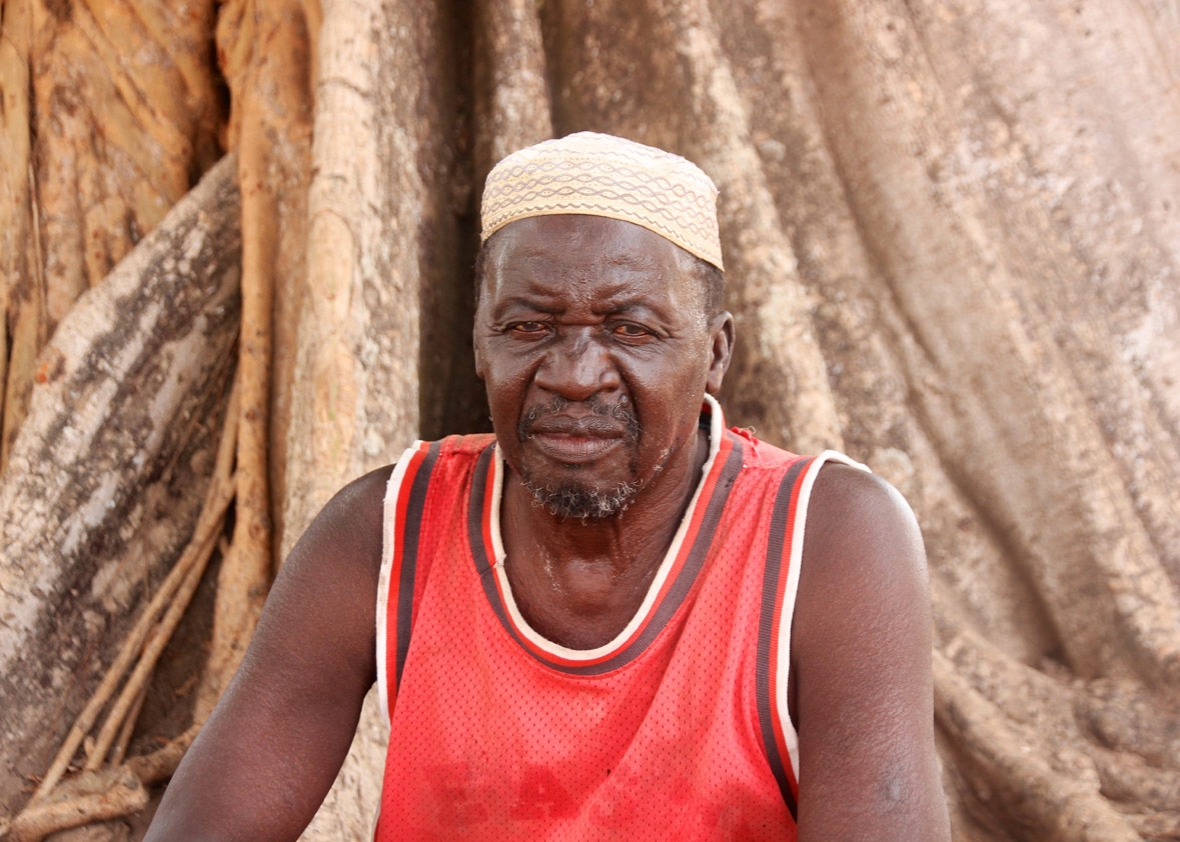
(604, 175)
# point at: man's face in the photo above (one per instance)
(594, 343)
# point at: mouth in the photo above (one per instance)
(576, 437)
(571, 448)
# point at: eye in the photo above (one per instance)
(528, 330)
(630, 331)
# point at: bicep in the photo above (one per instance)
(862, 666)
(273, 745)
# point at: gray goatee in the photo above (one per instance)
(583, 500)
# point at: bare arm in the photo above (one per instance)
(272, 747)
(862, 691)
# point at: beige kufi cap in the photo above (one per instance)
(603, 175)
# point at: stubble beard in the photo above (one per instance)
(586, 501)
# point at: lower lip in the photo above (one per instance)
(573, 449)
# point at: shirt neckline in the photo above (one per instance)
(669, 587)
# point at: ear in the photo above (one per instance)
(721, 333)
(477, 347)
(481, 295)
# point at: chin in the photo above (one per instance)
(581, 501)
(570, 491)
(585, 492)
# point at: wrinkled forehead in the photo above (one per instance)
(576, 255)
(605, 176)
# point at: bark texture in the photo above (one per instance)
(953, 251)
(96, 500)
(110, 113)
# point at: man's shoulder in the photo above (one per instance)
(454, 448)
(349, 524)
(863, 542)
(757, 453)
(851, 496)
(468, 444)
(449, 462)
(841, 493)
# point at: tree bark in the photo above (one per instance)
(267, 60)
(95, 500)
(117, 143)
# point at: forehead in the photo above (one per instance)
(596, 255)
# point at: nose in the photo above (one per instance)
(577, 366)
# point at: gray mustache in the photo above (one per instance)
(604, 419)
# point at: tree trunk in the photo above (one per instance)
(117, 143)
(95, 501)
(953, 251)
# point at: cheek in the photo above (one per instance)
(677, 374)
(666, 396)
(502, 393)
(506, 383)
(508, 370)
(496, 362)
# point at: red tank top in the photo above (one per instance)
(676, 730)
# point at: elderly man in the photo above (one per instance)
(615, 618)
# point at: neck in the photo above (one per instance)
(579, 582)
